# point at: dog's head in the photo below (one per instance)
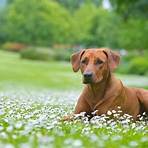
(95, 64)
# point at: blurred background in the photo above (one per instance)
(37, 38)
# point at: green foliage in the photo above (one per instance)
(134, 64)
(99, 28)
(36, 22)
(73, 5)
(104, 29)
(131, 8)
(2, 26)
(133, 34)
(139, 66)
(85, 23)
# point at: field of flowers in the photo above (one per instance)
(34, 97)
(32, 119)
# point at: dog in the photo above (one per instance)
(103, 92)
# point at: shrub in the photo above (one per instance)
(139, 65)
(133, 34)
(36, 54)
(15, 47)
(45, 54)
(62, 54)
(134, 62)
(103, 33)
(47, 22)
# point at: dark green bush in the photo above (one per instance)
(133, 64)
(62, 54)
(46, 54)
(139, 65)
(36, 54)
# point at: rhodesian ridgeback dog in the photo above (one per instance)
(102, 91)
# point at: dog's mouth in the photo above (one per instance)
(91, 80)
(87, 80)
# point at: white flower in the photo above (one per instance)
(77, 143)
(18, 125)
(1, 128)
(116, 138)
(113, 111)
(133, 144)
(9, 128)
(93, 113)
(144, 139)
(109, 112)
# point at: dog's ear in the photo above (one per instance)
(113, 59)
(75, 60)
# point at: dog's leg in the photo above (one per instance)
(81, 106)
(143, 98)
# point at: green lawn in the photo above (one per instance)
(53, 75)
(16, 71)
(31, 117)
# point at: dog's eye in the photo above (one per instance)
(83, 61)
(98, 62)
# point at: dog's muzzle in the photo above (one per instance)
(87, 77)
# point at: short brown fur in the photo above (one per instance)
(104, 92)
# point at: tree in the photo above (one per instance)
(105, 29)
(37, 22)
(131, 8)
(83, 22)
(133, 34)
(73, 5)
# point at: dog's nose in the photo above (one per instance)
(87, 75)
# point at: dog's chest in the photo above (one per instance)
(105, 104)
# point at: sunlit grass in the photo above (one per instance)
(53, 75)
(14, 70)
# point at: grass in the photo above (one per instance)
(53, 75)
(30, 117)
(14, 70)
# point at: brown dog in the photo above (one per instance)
(103, 91)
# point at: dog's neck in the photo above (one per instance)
(100, 90)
